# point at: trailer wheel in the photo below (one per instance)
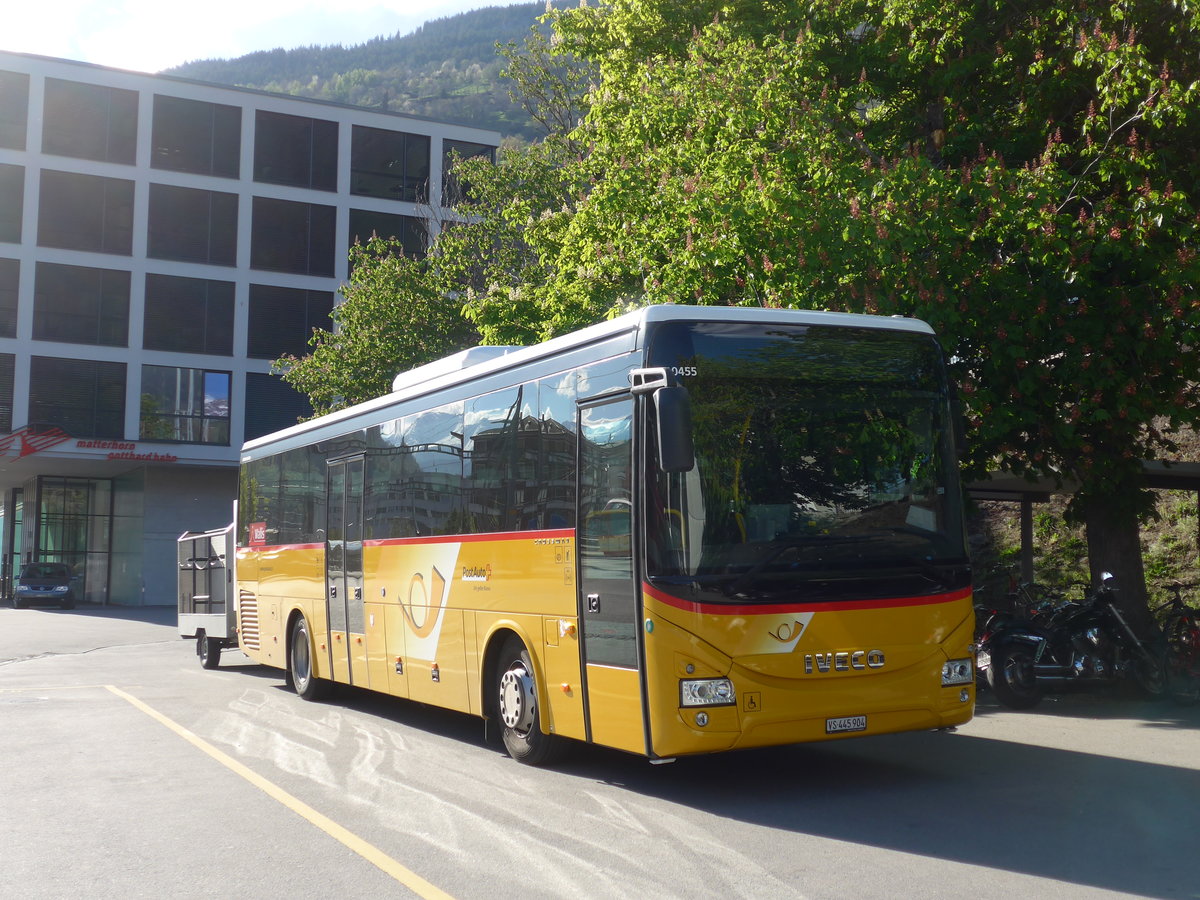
(208, 649)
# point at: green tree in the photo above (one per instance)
(1020, 175)
(395, 315)
(399, 312)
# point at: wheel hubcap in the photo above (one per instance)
(516, 698)
(300, 659)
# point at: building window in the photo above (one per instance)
(191, 225)
(282, 320)
(12, 202)
(194, 136)
(8, 366)
(188, 315)
(10, 282)
(408, 230)
(83, 397)
(85, 212)
(389, 164)
(293, 237)
(187, 405)
(272, 404)
(81, 305)
(90, 121)
(295, 150)
(14, 109)
(454, 189)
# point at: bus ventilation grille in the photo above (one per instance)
(248, 626)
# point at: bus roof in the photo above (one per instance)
(479, 361)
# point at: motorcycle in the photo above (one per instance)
(1084, 644)
(1023, 603)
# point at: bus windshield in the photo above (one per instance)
(825, 466)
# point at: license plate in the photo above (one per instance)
(845, 723)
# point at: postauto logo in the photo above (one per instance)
(477, 573)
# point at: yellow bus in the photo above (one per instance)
(686, 530)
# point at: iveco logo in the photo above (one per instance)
(844, 661)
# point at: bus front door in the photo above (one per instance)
(344, 571)
(608, 591)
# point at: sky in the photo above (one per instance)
(152, 35)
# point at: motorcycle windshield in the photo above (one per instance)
(825, 466)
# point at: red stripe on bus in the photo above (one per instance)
(721, 609)
(474, 538)
(551, 534)
(263, 548)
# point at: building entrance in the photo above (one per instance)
(70, 521)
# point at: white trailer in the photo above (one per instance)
(207, 611)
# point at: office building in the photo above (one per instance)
(161, 242)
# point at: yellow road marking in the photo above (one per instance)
(367, 851)
(59, 687)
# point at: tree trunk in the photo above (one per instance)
(1115, 546)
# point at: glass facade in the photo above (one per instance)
(184, 405)
(288, 236)
(14, 109)
(282, 320)
(188, 315)
(12, 202)
(81, 305)
(8, 363)
(272, 405)
(83, 397)
(454, 189)
(295, 150)
(85, 212)
(191, 225)
(408, 230)
(10, 281)
(90, 121)
(391, 165)
(193, 136)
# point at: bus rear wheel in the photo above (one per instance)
(516, 694)
(300, 668)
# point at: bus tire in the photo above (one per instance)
(208, 649)
(516, 696)
(300, 668)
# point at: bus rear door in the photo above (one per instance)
(344, 571)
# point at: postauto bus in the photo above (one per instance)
(685, 530)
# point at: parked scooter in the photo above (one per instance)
(1079, 645)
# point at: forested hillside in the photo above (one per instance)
(447, 69)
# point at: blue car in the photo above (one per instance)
(44, 583)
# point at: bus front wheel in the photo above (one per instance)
(300, 668)
(517, 709)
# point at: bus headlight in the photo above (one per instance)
(706, 692)
(957, 671)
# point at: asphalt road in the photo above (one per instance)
(127, 770)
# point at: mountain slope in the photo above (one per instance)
(447, 69)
